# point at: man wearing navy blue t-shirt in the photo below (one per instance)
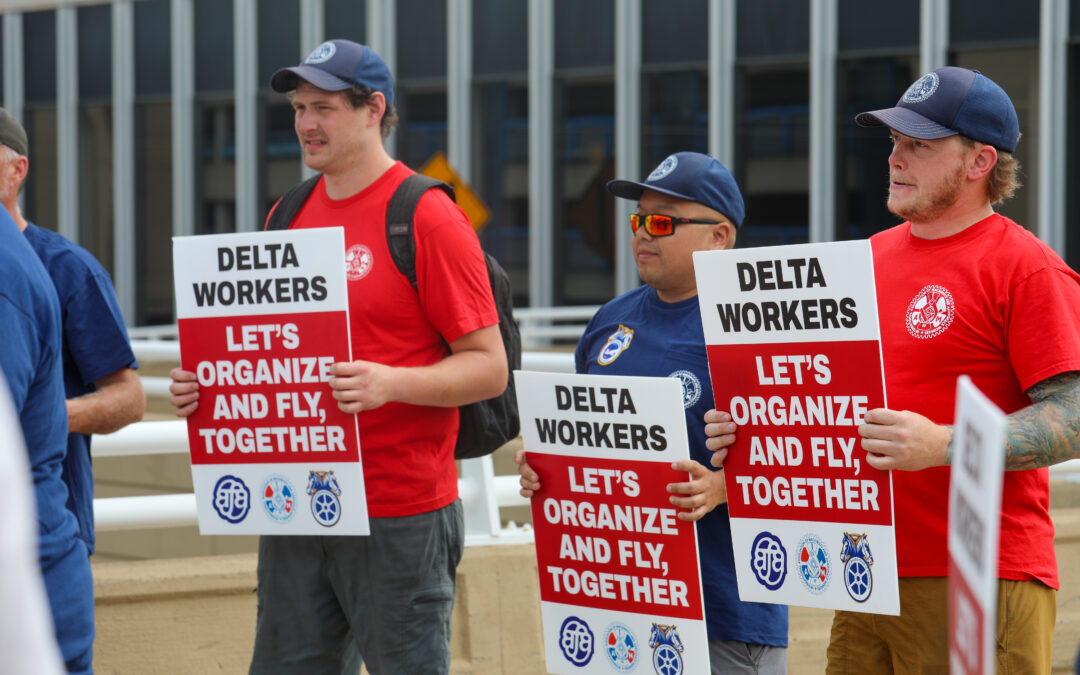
(689, 203)
(101, 384)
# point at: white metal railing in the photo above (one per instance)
(481, 491)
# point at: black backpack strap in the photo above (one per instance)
(290, 203)
(399, 220)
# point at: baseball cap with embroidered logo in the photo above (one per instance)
(950, 101)
(336, 65)
(693, 176)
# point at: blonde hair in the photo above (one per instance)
(1004, 179)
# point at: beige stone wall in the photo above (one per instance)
(197, 615)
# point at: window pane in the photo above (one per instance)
(971, 23)
(773, 28)
(421, 22)
(773, 153)
(1017, 72)
(39, 191)
(280, 151)
(675, 115)
(213, 45)
(584, 161)
(584, 34)
(95, 51)
(501, 177)
(215, 167)
(674, 32)
(501, 38)
(279, 37)
(346, 19)
(865, 26)
(863, 153)
(96, 181)
(153, 213)
(422, 130)
(39, 56)
(153, 45)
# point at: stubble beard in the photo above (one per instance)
(929, 207)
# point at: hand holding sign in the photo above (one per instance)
(720, 433)
(362, 385)
(903, 440)
(705, 490)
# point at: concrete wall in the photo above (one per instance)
(197, 615)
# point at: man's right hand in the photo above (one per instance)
(185, 391)
(719, 434)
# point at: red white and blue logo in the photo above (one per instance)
(621, 647)
(278, 498)
(576, 641)
(813, 565)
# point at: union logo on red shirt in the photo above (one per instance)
(930, 313)
(358, 262)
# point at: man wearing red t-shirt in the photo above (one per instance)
(961, 290)
(389, 595)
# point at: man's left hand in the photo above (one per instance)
(704, 492)
(900, 439)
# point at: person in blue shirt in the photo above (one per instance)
(689, 203)
(31, 363)
(101, 384)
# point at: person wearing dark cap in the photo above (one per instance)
(388, 595)
(964, 290)
(101, 382)
(690, 202)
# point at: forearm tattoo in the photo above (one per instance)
(1047, 431)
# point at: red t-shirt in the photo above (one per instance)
(407, 450)
(997, 304)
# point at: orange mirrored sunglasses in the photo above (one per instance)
(659, 225)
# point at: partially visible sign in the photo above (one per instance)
(795, 357)
(438, 167)
(262, 317)
(620, 579)
(974, 520)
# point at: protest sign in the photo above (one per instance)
(262, 317)
(795, 357)
(974, 527)
(619, 574)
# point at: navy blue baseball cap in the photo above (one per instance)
(690, 175)
(336, 65)
(950, 101)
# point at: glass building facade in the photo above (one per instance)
(149, 119)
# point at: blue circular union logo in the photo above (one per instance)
(576, 641)
(665, 168)
(691, 387)
(232, 499)
(768, 559)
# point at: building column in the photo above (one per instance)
(1053, 130)
(541, 152)
(627, 132)
(67, 121)
(245, 123)
(123, 129)
(823, 47)
(182, 22)
(722, 37)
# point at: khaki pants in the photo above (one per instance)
(917, 641)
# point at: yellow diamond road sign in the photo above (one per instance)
(439, 168)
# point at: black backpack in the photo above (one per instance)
(485, 425)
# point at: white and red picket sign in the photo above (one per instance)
(620, 579)
(795, 357)
(262, 317)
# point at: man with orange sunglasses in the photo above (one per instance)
(689, 203)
